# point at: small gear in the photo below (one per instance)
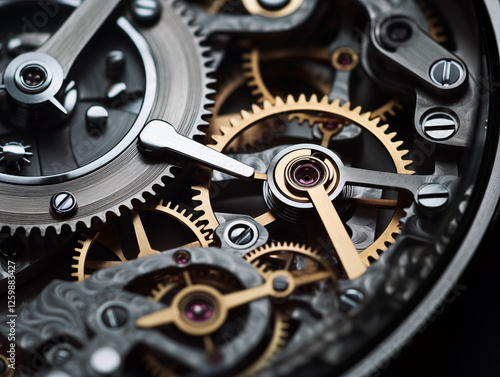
(108, 238)
(278, 256)
(436, 29)
(252, 66)
(328, 109)
(222, 282)
(215, 6)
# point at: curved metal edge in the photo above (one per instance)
(146, 56)
(392, 345)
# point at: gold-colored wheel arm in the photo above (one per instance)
(276, 342)
(108, 238)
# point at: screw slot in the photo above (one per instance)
(433, 197)
(63, 204)
(447, 73)
(439, 125)
(240, 234)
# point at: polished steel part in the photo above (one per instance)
(104, 185)
(70, 39)
(159, 137)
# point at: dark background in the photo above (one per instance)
(464, 340)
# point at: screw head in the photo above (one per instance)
(241, 234)
(433, 196)
(447, 73)
(146, 12)
(439, 126)
(115, 63)
(63, 204)
(114, 316)
(350, 299)
(273, 5)
(280, 283)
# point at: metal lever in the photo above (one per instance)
(159, 137)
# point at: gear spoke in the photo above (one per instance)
(142, 238)
(111, 241)
(89, 260)
(348, 255)
(376, 203)
(160, 318)
(302, 279)
(266, 219)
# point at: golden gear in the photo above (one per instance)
(253, 59)
(219, 281)
(326, 108)
(107, 237)
(436, 30)
(216, 6)
(284, 254)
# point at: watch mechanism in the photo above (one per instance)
(238, 187)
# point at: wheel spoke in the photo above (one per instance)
(348, 255)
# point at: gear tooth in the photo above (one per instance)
(256, 92)
(397, 144)
(290, 100)
(326, 101)
(255, 108)
(384, 128)
(246, 56)
(234, 122)
(225, 130)
(358, 110)
(245, 114)
(314, 100)
(279, 102)
(267, 105)
(347, 106)
(368, 117)
(302, 99)
(391, 135)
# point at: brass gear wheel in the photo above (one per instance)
(220, 281)
(108, 238)
(215, 6)
(284, 254)
(252, 67)
(333, 109)
(436, 29)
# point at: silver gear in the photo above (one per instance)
(182, 99)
